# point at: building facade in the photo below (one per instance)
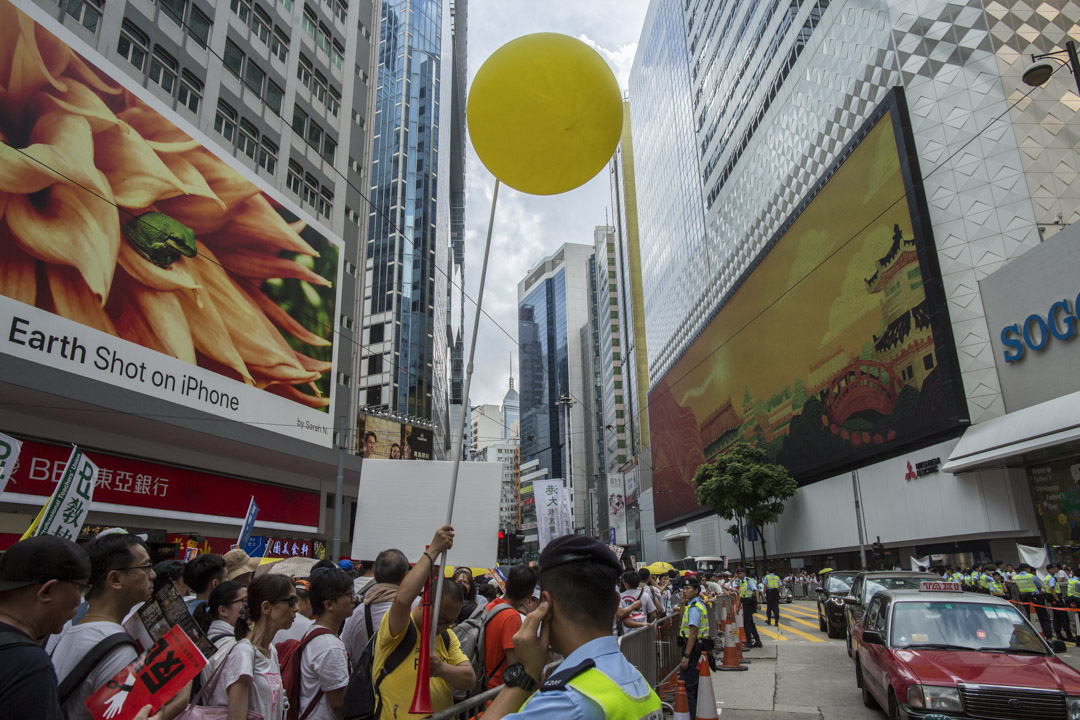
(277, 100)
(781, 100)
(410, 256)
(553, 306)
(506, 453)
(486, 427)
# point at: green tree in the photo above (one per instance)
(744, 486)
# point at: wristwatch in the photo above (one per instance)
(515, 676)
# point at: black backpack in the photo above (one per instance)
(363, 701)
(90, 661)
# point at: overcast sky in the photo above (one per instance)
(527, 227)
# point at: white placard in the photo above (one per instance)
(401, 504)
(552, 510)
(9, 456)
(66, 510)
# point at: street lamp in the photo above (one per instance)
(1040, 69)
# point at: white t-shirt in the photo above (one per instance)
(217, 628)
(354, 634)
(72, 647)
(267, 696)
(325, 665)
(300, 626)
(628, 598)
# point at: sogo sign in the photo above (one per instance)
(1036, 331)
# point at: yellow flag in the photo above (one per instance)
(37, 521)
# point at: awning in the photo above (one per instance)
(676, 534)
(991, 443)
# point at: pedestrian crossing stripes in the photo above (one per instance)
(788, 629)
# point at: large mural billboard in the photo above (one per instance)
(132, 254)
(835, 346)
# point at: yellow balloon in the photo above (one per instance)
(545, 113)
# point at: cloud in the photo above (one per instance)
(620, 59)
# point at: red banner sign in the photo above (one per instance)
(138, 483)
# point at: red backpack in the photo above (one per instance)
(289, 654)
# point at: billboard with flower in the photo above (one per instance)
(132, 254)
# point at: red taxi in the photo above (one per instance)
(939, 653)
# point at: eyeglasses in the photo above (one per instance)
(84, 588)
(292, 600)
(147, 567)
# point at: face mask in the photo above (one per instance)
(244, 611)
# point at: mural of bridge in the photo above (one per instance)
(863, 385)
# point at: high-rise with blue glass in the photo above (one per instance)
(405, 364)
(553, 305)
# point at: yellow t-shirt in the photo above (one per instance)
(398, 687)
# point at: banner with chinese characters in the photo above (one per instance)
(9, 456)
(552, 510)
(249, 523)
(66, 510)
(175, 491)
(152, 679)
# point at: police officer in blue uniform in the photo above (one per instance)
(578, 576)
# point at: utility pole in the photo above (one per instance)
(858, 516)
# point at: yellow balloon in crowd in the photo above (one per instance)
(545, 113)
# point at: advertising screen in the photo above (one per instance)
(391, 440)
(132, 254)
(833, 348)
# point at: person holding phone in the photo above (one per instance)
(578, 576)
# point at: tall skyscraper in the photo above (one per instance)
(553, 305)
(409, 248)
(511, 411)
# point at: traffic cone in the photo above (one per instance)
(742, 630)
(682, 707)
(706, 698)
(732, 649)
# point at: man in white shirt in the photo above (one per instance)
(324, 662)
(391, 567)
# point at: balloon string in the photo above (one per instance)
(464, 415)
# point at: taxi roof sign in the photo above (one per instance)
(940, 586)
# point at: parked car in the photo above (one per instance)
(835, 586)
(958, 655)
(867, 584)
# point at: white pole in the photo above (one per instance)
(464, 415)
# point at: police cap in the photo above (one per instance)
(693, 582)
(577, 548)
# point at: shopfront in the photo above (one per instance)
(1032, 306)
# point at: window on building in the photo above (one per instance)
(198, 26)
(280, 45)
(344, 379)
(350, 268)
(311, 190)
(225, 121)
(337, 55)
(299, 120)
(377, 333)
(314, 135)
(274, 96)
(329, 148)
(254, 77)
(333, 102)
(191, 90)
(303, 71)
(326, 202)
(294, 181)
(374, 364)
(133, 45)
(174, 10)
(248, 139)
(341, 10)
(318, 87)
(373, 396)
(308, 22)
(260, 24)
(322, 38)
(354, 165)
(242, 9)
(287, 4)
(268, 156)
(163, 70)
(233, 59)
(85, 12)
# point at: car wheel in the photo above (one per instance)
(867, 699)
(894, 707)
(822, 625)
(848, 633)
(858, 674)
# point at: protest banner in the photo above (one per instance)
(159, 615)
(401, 505)
(249, 523)
(65, 512)
(552, 510)
(153, 679)
(9, 455)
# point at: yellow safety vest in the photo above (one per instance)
(772, 582)
(1025, 583)
(612, 698)
(703, 627)
(1074, 587)
(744, 589)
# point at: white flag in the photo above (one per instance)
(9, 455)
(551, 510)
(66, 510)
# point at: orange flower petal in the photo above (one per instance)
(83, 71)
(229, 185)
(193, 182)
(75, 301)
(30, 71)
(156, 129)
(64, 225)
(175, 277)
(256, 223)
(78, 99)
(290, 392)
(18, 271)
(136, 174)
(313, 365)
(153, 319)
(260, 266)
(284, 320)
(61, 150)
(209, 333)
